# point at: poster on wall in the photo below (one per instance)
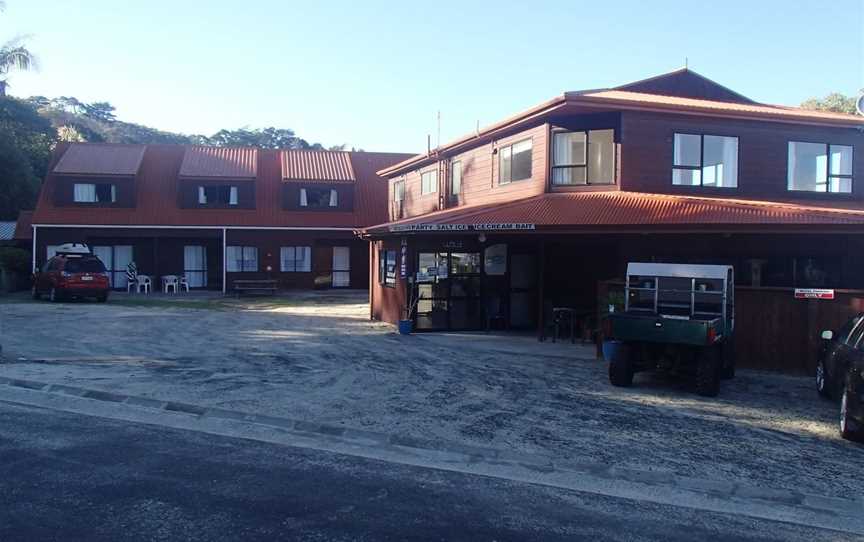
(814, 293)
(403, 259)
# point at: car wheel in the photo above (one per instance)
(102, 298)
(36, 295)
(821, 380)
(708, 372)
(621, 367)
(849, 428)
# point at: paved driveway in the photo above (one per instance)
(316, 356)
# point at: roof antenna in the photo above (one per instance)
(438, 142)
(685, 63)
(478, 128)
(428, 144)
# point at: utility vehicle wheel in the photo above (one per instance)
(849, 428)
(728, 370)
(621, 371)
(708, 372)
(821, 381)
(35, 293)
(102, 298)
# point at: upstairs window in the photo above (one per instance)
(399, 191)
(456, 178)
(819, 167)
(296, 259)
(217, 195)
(580, 158)
(319, 198)
(429, 182)
(94, 193)
(514, 162)
(705, 160)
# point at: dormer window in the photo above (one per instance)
(218, 196)
(318, 198)
(94, 193)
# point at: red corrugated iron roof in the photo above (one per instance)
(600, 209)
(23, 229)
(316, 166)
(731, 108)
(100, 159)
(157, 187)
(220, 162)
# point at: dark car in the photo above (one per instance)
(73, 272)
(840, 375)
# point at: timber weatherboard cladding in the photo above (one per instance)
(647, 151)
(480, 175)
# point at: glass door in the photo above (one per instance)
(341, 267)
(116, 258)
(195, 265)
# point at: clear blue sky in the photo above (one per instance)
(373, 74)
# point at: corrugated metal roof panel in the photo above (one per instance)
(316, 166)
(7, 230)
(23, 230)
(635, 209)
(764, 110)
(100, 159)
(209, 162)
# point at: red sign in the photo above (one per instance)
(813, 293)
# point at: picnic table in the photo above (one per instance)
(255, 286)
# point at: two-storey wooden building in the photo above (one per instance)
(545, 208)
(215, 214)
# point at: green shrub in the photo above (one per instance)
(14, 259)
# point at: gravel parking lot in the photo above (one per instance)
(316, 356)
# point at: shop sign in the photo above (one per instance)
(452, 244)
(813, 293)
(489, 226)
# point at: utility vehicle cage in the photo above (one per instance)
(680, 291)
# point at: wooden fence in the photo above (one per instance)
(773, 330)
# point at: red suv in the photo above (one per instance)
(73, 272)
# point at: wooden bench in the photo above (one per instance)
(260, 287)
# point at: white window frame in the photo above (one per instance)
(430, 187)
(509, 151)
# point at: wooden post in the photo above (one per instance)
(541, 279)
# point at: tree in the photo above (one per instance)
(836, 102)
(26, 139)
(13, 56)
(103, 111)
(267, 138)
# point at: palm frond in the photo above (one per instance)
(14, 55)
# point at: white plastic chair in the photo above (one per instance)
(184, 283)
(144, 283)
(131, 285)
(169, 281)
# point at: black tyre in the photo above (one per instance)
(35, 293)
(621, 372)
(849, 428)
(102, 298)
(822, 387)
(728, 371)
(708, 369)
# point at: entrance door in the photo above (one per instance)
(195, 265)
(523, 297)
(341, 267)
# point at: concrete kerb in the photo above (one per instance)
(454, 453)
